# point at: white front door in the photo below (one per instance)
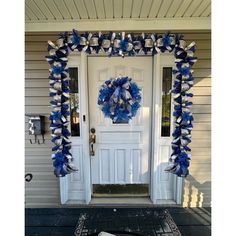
(122, 151)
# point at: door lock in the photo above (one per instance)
(92, 141)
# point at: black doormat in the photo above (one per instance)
(129, 222)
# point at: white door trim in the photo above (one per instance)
(84, 92)
(158, 64)
(155, 127)
(83, 193)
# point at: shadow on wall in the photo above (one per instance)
(196, 194)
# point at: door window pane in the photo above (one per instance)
(74, 102)
(166, 101)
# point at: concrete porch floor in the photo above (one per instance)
(62, 221)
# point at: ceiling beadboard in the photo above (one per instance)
(64, 10)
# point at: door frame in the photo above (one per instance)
(102, 55)
(155, 131)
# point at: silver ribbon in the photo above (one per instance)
(83, 41)
(148, 43)
(182, 44)
(60, 42)
(117, 43)
(185, 87)
(93, 41)
(106, 43)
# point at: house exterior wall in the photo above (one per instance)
(43, 190)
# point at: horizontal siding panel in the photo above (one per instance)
(203, 54)
(36, 83)
(201, 151)
(35, 101)
(204, 167)
(199, 143)
(37, 65)
(31, 74)
(202, 118)
(205, 100)
(42, 191)
(201, 177)
(202, 73)
(201, 134)
(46, 144)
(202, 126)
(35, 56)
(197, 36)
(42, 199)
(36, 151)
(203, 91)
(41, 38)
(44, 177)
(42, 110)
(36, 47)
(47, 136)
(202, 82)
(200, 159)
(206, 109)
(35, 183)
(37, 92)
(38, 167)
(201, 45)
(202, 64)
(39, 160)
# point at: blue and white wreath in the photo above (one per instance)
(119, 99)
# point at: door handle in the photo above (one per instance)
(92, 141)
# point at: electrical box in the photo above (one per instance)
(36, 125)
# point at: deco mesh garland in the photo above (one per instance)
(119, 99)
(120, 44)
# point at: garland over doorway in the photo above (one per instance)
(123, 45)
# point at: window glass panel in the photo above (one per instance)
(74, 102)
(166, 101)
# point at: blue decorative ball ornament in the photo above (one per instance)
(119, 99)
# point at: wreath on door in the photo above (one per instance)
(119, 99)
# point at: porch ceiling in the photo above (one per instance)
(56, 15)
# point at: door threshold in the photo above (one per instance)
(121, 201)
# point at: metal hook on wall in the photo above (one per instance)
(35, 141)
(42, 139)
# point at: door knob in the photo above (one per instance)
(92, 141)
